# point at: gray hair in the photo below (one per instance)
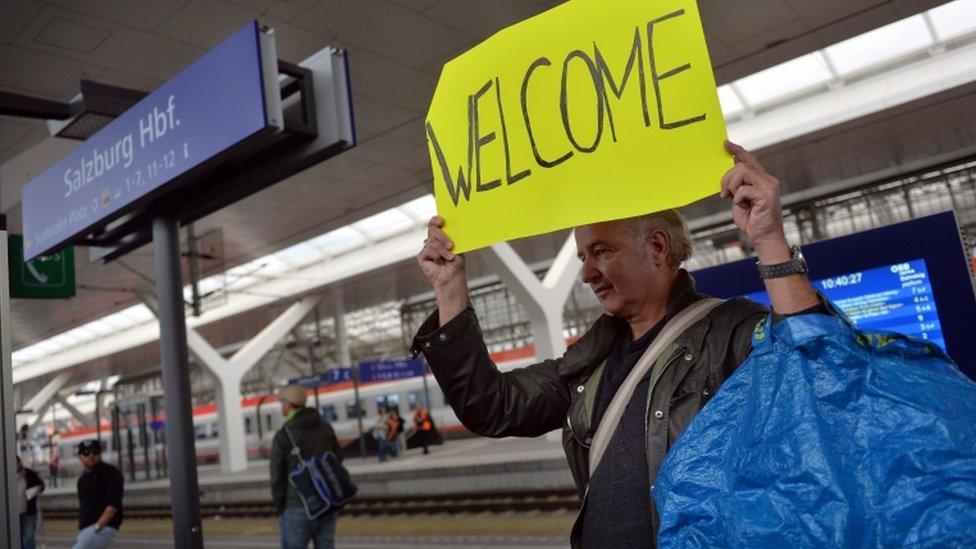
(673, 224)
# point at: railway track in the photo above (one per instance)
(510, 501)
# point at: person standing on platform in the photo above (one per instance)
(29, 486)
(381, 433)
(393, 432)
(634, 268)
(100, 491)
(313, 436)
(423, 426)
(399, 440)
(55, 467)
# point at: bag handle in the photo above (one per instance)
(674, 328)
(295, 451)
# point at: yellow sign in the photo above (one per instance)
(594, 110)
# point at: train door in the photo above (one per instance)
(138, 437)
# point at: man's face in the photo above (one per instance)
(89, 458)
(624, 274)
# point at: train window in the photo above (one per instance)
(329, 412)
(247, 425)
(215, 430)
(267, 422)
(353, 411)
(200, 432)
(413, 397)
(388, 402)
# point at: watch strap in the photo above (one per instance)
(796, 265)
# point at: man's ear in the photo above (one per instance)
(658, 247)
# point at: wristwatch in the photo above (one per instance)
(795, 265)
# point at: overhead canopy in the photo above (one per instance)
(47, 48)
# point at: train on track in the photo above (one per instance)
(133, 436)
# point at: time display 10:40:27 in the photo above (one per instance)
(841, 281)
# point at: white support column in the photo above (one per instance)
(544, 301)
(41, 401)
(228, 374)
(343, 357)
(84, 420)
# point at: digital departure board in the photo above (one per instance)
(892, 298)
(912, 278)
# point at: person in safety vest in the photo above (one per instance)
(423, 426)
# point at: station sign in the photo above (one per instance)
(389, 370)
(221, 102)
(45, 277)
(330, 377)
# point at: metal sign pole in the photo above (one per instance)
(9, 502)
(423, 376)
(184, 490)
(359, 410)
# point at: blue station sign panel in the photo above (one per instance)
(389, 370)
(335, 375)
(213, 105)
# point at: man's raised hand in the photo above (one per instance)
(444, 269)
(756, 207)
(757, 211)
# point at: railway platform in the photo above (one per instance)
(472, 465)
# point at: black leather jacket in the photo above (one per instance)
(558, 393)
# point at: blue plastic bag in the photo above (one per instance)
(827, 437)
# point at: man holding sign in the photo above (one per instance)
(632, 265)
(625, 391)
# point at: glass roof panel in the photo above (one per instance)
(954, 19)
(422, 208)
(731, 105)
(271, 264)
(81, 334)
(241, 282)
(137, 314)
(100, 328)
(48, 346)
(384, 224)
(117, 321)
(300, 254)
(338, 241)
(27, 353)
(879, 46)
(64, 340)
(784, 79)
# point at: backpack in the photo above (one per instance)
(322, 482)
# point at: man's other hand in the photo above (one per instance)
(444, 269)
(757, 211)
(756, 207)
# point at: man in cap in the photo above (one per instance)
(100, 491)
(313, 436)
(29, 486)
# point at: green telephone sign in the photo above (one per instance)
(46, 277)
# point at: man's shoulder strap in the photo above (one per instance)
(295, 450)
(674, 328)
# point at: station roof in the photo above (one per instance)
(772, 59)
